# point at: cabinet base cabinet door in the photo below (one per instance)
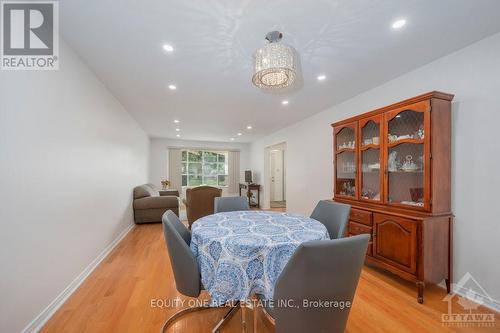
(395, 241)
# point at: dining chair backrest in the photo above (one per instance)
(183, 262)
(326, 270)
(230, 204)
(333, 215)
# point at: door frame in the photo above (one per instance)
(267, 171)
(277, 155)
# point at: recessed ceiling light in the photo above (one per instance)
(168, 47)
(177, 129)
(239, 134)
(249, 127)
(321, 77)
(398, 24)
(172, 87)
(285, 102)
(178, 135)
(176, 121)
(232, 139)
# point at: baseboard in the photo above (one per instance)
(487, 301)
(45, 315)
(460, 291)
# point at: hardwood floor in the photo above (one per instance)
(118, 297)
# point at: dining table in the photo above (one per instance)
(242, 253)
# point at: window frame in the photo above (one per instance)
(185, 167)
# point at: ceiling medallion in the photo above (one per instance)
(275, 64)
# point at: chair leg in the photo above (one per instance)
(268, 316)
(226, 318)
(181, 313)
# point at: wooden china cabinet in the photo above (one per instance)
(392, 165)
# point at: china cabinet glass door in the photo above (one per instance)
(346, 168)
(407, 156)
(371, 183)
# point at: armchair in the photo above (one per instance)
(200, 202)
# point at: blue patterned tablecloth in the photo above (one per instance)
(243, 253)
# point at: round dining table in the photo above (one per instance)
(242, 253)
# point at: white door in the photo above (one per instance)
(277, 175)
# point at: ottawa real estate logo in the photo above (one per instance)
(29, 35)
(466, 308)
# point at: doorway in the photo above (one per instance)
(277, 176)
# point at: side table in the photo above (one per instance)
(250, 188)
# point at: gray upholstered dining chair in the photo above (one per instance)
(230, 204)
(185, 267)
(326, 270)
(333, 215)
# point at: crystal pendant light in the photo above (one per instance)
(275, 64)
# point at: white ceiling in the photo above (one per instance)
(351, 41)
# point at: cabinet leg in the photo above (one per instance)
(420, 289)
(448, 285)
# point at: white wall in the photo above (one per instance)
(70, 156)
(473, 75)
(158, 165)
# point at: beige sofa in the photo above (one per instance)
(149, 206)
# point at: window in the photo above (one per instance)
(202, 167)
